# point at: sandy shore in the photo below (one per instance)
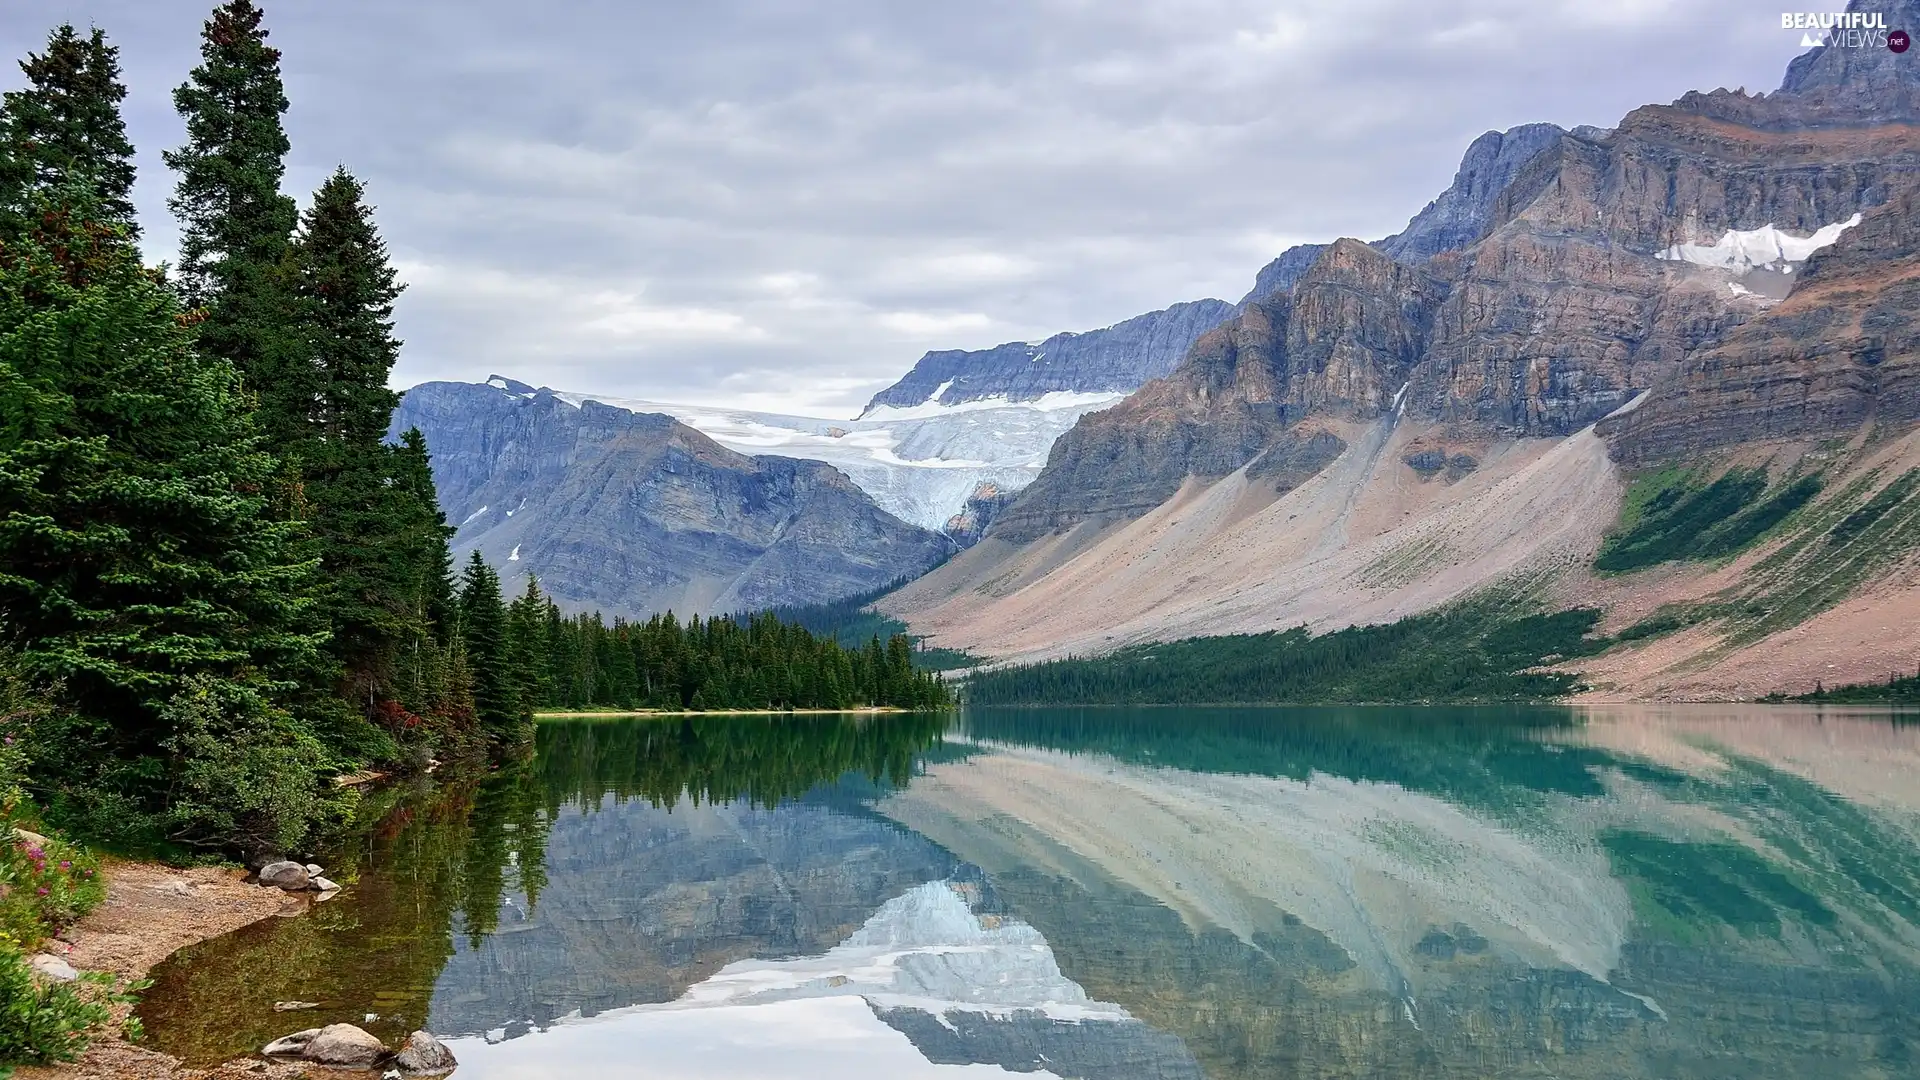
(150, 912)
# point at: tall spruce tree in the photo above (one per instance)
(136, 565)
(236, 226)
(483, 629)
(373, 527)
(65, 129)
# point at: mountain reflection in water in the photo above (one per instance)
(1126, 893)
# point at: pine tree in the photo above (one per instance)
(136, 564)
(65, 129)
(526, 649)
(483, 630)
(236, 226)
(372, 528)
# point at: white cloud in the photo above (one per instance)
(923, 324)
(649, 199)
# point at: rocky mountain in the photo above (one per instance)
(1340, 345)
(1115, 359)
(919, 464)
(1406, 423)
(633, 513)
(1455, 219)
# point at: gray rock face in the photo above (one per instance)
(1280, 274)
(1119, 357)
(1343, 343)
(1870, 84)
(635, 513)
(1453, 221)
(979, 514)
(290, 876)
(1460, 215)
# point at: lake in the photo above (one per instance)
(1707, 891)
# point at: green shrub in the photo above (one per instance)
(44, 888)
(43, 1024)
(244, 770)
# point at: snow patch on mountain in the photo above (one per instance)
(1765, 248)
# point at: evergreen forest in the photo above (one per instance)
(222, 585)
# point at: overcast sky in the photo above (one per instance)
(782, 204)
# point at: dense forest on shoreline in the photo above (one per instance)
(221, 586)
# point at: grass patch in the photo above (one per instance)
(1671, 516)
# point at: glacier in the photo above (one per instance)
(919, 463)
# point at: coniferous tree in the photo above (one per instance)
(136, 565)
(372, 517)
(526, 648)
(483, 630)
(236, 225)
(65, 129)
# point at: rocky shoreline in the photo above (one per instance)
(151, 912)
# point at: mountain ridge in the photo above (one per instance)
(636, 513)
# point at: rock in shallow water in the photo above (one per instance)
(293, 1045)
(344, 1044)
(424, 1055)
(290, 876)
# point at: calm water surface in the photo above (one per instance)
(1636, 892)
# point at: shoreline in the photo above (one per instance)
(151, 912)
(609, 714)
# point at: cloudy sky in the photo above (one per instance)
(782, 204)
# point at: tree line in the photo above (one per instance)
(223, 581)
(556, 661)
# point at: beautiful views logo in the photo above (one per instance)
(1845, 30)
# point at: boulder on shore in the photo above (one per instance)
(347, 1046)
(290, 876)
(424, 1055)
(344, 1044)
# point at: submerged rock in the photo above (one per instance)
(344, 1044)
(290, 876)
(294, 1045)
(424, 1055)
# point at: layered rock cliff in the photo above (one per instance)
(1842, 351)
(635, 513)
(1726, 281)
(1339, 346)
(1455, 219)
(1544, 290)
